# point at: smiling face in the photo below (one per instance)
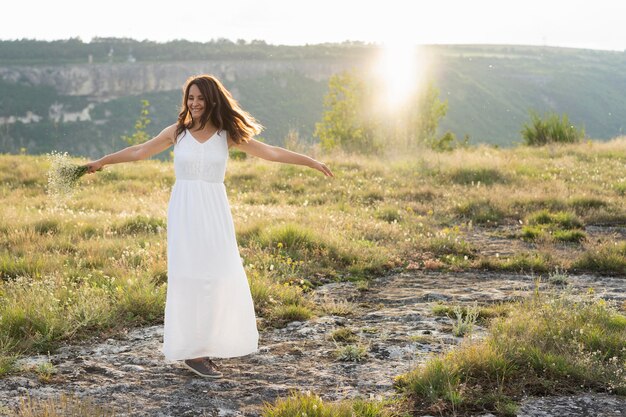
(196, 102)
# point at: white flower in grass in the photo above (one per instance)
(63, 176)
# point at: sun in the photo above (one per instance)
(399, 70)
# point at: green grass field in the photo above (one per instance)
(98, 264)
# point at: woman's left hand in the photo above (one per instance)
(320, 166)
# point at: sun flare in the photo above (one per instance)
(399, 71)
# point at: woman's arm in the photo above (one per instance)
(145, 150)
(278, 154)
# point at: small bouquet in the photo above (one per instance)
(63, 175)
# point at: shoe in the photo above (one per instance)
(205, 368)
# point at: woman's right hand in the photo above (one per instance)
(94, 166)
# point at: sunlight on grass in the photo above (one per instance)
(299, 404)
(99, 261)
(547, 344)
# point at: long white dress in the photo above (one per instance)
(209, 309)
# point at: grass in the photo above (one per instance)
(560, 226)
(527, 262)
(291, 312)
(351, 353)
(344, 335)
(299, 404)
(547, 344)
(64, 405)
(481, 313)
(45, 371)
(475, 176)
(338, 307)
(608, 258)
(465, 321)
(140, 224)
(483, 212)
(558, 278)
(98, 263)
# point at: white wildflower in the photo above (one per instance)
(63, 176)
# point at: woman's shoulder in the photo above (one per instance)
(171, 132)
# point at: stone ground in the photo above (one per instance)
(130, 374)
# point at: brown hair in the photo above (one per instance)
(221, 109)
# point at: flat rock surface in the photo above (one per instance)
(392, 319)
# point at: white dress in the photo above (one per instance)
(209, 309)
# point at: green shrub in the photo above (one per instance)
(447, 142)
(550, 129)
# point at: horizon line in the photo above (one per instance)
(352, 42)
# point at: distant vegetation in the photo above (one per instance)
(74, 50)
(355, 121)
(488, 90)
(140, 135)
(551, 129)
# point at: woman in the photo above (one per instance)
(209, 310)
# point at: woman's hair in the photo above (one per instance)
(220, 108)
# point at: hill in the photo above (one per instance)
(81, 97)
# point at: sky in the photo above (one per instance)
(596, 24)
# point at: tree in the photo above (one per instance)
(424, 116)
(140, 135)
(344, 123)
(351, 123)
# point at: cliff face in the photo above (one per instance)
(489, 94)
(105, 81)
(86, 108)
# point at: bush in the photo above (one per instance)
(550, 129)
(448, 142)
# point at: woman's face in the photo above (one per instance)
(196, 102)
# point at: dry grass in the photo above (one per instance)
(100, 260)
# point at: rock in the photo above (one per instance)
(581, 405)
(306, 331)
(130, 374)
(436, 297)
(132, 368)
